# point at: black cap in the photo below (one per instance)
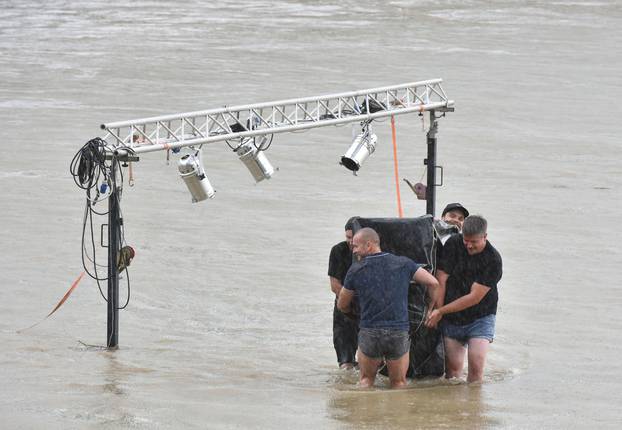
(350, 224)
(453, 206)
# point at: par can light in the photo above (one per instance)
(192, 172)
(255, 161)
(362, 147)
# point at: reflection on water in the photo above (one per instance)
(115, 406)
(114, 375)
(428, 405)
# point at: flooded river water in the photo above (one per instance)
(230, 317)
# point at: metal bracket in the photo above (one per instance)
(441, 169)
(445, 109)
(124, 157)
(425, 163)
(101, 235)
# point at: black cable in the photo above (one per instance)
(265, 148)
(231, 147)
(127, 276)
(90, 172)
(87, 167)
(88, 214)
(89, 164)
(122, 243)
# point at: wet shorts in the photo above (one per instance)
(483, 328)
(379, 343)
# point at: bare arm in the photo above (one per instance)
(335, 285)
(440, 293)
(344, 300)
(425, 278)
(478, 291)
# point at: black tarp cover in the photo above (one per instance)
(413, 238)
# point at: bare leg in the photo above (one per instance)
(368, 368)
(477, 358)
(397, 371)
(454, 358)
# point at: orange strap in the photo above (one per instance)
(397, 180)
(65, 297)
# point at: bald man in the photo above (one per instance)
(381, 281)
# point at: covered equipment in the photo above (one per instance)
(413, 238)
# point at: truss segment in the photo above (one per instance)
(236, 122)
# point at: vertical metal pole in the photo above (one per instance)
(430, 162)
(114, 230)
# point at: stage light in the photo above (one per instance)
(255, 161)
(192, 172)
(363, 145)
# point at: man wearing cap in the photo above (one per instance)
(450, 223)
(455, 213)
(345, 327)
(466, 306)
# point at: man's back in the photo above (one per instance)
(381, 282)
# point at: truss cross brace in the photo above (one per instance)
(236, 122)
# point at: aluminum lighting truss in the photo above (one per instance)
(236, 122)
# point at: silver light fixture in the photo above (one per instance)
(363, 145)
(192, 172)
(255, 160)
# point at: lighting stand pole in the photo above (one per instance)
(114, 233)
(430, 162)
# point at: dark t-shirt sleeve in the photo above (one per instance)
(490, 275)
(413, 267)
(333, 263)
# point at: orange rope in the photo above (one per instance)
(397, 176)
(65, 297)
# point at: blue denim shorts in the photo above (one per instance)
(483, 328)
(380, 343)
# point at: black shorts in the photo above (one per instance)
(345, 336)
(380, 343)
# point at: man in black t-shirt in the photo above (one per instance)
(450, 223)
(345, 327)
(468, 273)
